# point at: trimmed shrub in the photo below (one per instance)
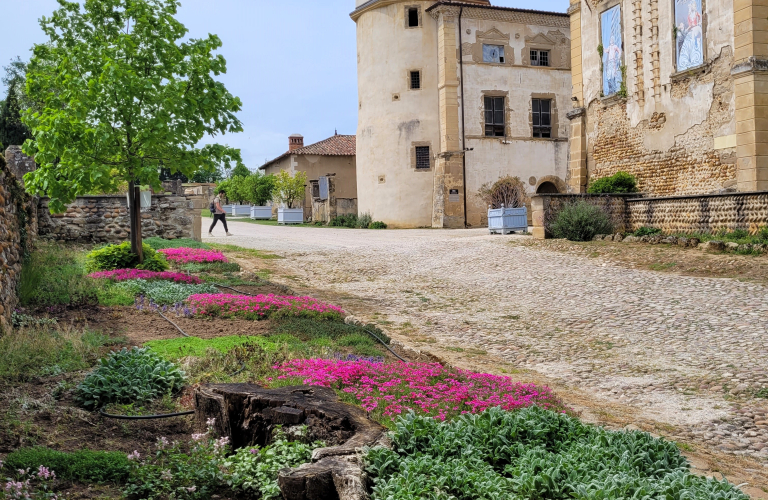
(113, 257)
(581, 221)
(348, 220)
(620, 182)
(85, 466)
(134, 376)
(377, 224)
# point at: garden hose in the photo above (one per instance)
(174, 324)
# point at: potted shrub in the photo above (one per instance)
(288, 193)
(506, 200)
(260, 188)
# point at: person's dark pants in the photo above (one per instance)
(217, 218)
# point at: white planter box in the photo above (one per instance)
(238, 210)
(261, 213)
(146, 199)
(227, 209)
(507, 220)
(290, 215)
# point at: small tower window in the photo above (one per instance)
(422, 157)
(413, 17)
(415, 80)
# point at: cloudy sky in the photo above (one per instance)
(292, 62)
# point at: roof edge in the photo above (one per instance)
(454, 3)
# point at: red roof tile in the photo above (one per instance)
(337, 145)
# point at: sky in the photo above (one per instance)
(291, 62)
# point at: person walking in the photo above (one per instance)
(218, 213)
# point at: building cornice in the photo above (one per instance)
(371, 5)
(750, 66)
(508, 14)
(574, 8)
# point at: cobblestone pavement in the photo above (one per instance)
(687, 351)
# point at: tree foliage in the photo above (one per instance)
(256, 189)
(119, 93)
(12, 131)
(289, 189)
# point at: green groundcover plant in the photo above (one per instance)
(85, 466)
(130, 376)
(620, 182)
(163, 292)
(112, 257)
(532, 454)
(255, 470)
(160, 243)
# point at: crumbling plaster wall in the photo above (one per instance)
(676, 133)
(519, 154)
(391, 118)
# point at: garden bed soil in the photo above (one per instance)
(664, 258)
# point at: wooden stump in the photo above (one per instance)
(248, 413)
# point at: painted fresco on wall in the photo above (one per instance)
(689, 41)
(610, 25)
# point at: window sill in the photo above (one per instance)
(612, 100)
(700, 70)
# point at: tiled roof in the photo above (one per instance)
(459, 3)
(337, 145)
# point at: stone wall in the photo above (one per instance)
(675, 214)
(18, 226)
(104, 219)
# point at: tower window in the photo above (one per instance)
(415, 80)
(413, 17)
(539, 58)
(422, 157)
(494, 117)
(542, 117)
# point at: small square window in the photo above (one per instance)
(541, 111)
(413, 17)
(539, 58)
(415, 80)
(494, 117)
(422, 157)
(493, 54)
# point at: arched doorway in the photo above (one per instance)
(547, 188)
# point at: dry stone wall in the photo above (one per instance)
(105, 219)
(676, 214)
(18, 226)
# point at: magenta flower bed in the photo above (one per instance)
(388, 390)
(187, 255)
(135, 274)
(261, 306)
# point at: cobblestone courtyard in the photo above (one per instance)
(686, 351)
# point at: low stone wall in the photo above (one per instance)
(18, 226)
(704, 214)
(104, 219)
(674, 214)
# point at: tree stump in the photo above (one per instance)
(248, 413)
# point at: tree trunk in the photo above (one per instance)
(247, 414)
(134, 210)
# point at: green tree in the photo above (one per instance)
(289, 190)
(12, 131)
(118, 91)
(240, 171)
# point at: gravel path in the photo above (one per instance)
(688, 351)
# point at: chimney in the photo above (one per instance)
(296, 141)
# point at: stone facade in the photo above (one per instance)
(104, 219)
(675, 214)
(446, 113)
(680, 127)
(18, 226)
(18, 163)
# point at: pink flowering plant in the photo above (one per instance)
(135, 274)
(192, 255)
(172, 473)
(30, 485)
(262, 307)
(389, 390)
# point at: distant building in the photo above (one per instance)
(453, 95)
(335, 155)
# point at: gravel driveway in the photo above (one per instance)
(688, 351)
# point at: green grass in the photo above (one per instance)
(250, 251)
(34, 352)
(84, 466)
(55, 275)
(175, 349)
(740, 236)
(160, 243)
(210, 267)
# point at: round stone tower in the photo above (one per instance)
(398, 133)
